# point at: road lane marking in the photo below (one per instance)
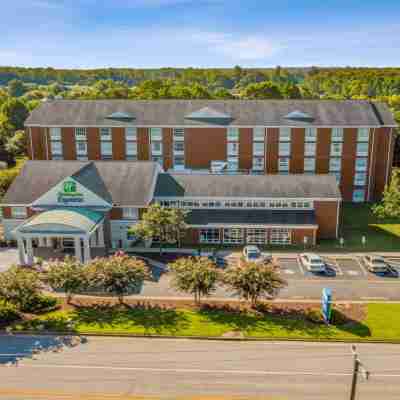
(365, 272)
(200, 371)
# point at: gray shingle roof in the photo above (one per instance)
(243, 112)
(251, 217)
(119, 182)
(253, 186)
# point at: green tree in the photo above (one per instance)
(19, 286)
(16, 144)
(15, 113)
(165, 224)
(196, 275)
(67, 275)
(390, 204)
(251, 281)
(16, 88)
(262, 90)
(118, 274)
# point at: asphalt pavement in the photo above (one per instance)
(129, 368)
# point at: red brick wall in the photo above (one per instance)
(327, 217)
(245, 148)
(167, 143)
(93, 138)
(297, 151)
(118, 143)
(272, 148)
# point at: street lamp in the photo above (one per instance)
(357, 368)
(341, 241)
(305, 241)
(363, 240)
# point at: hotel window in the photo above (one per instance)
(155, 134)
(258, 148)
(81, 143)
(310, 135)
(283, 164)
(336, 149)
(284, 148)
(256, 236)
(258, 135)
(258, 163)
(105, 144)
(337, 135)
(280, 236)
(360, 178)
(337, 175)
(233, 148)
(361, 164)
(362, 149)
(209, 236)
(233, 236)
(358, 195)
(233, 134)
(363, 135)
(178, 135)
(309, 165)
(131, 144)
(156, 147)
(310, 149)
(335, 165)
(129, 213)
(233, 163)
(284, 134)
(18, 212)
(56, 150)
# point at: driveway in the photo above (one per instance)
(8, 257)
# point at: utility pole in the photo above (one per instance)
(357, 366)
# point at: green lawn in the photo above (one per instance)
(382, 322)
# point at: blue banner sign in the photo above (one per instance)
(327, 304)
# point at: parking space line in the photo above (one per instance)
(336, 264)
(300, 266)
(365, 272)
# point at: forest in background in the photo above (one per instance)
(23, 89)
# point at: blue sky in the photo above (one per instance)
(199, 33)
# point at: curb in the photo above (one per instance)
(205, 338)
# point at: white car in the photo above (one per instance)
(312, 262)
(254, 254)
(375, 263)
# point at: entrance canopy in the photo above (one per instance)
(62, 221)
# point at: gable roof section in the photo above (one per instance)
(246, 186)
(122, 183)
(180, 113)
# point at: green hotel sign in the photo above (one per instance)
(69, 194)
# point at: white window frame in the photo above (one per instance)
(233, 163)
(210, 235)
(362, 149)
(363, 168)
(360, 179)
(232, 134)
(357, 198)
(362, 135)
(155, 134)
(80, 134)
(131, 148)
(105, 134)
(181, 163)
(256, 235)
(155, 151)
(284, 148)
(335, 164)
(106, 149)
(337, 135)
(258, 148)
(81, 152)
(179, 134)
(258, 134)
(130, 213)
(310, 148)
(309, 164)
(233, 235)
(131, 133)
(56, 148)
(282, 162)
(233, 148)
(55, 134)
(280, 236)
(285, 134)
(310, 135)
(336, 149)
(258, 163)
(19, 212)
(180, 151)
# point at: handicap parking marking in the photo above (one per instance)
(333, 263)
(290, 266)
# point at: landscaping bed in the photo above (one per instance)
(183, 318)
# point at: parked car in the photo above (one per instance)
(376, 264)
(312, 262)
(218, 260)
(252, 253)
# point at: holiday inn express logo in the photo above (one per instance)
(70, 193)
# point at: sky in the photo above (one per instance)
(199, 33)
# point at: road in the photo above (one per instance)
(129, 368)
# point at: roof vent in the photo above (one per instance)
(210, 115)
(121, 116)
(299, 116)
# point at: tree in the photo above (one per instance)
(252, 281)
(262, 90)
(195, 275)
(390, 204)
(16, 144)
(16, 88)
(15, 112)
(165, 224)
(67, 275)
(118, 274)
(19, 286)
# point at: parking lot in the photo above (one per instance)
(347, 268)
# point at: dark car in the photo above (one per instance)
(219, 261)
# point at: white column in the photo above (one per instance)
(29, 251)
(78, 248)
(93, 240)
(42, 241)
(100, 233)
(49, 241)
(21, 251)
(86, 250)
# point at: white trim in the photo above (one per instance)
(153, 184)
(245, 226)
(237, 198)
(46, 134)
(337, 217)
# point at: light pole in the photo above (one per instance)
(357, 367)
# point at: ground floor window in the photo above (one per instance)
(209, 236)
(233, 236)
(280, 236)
(256, 236)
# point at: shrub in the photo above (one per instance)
(40, 304)
(8, 313)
